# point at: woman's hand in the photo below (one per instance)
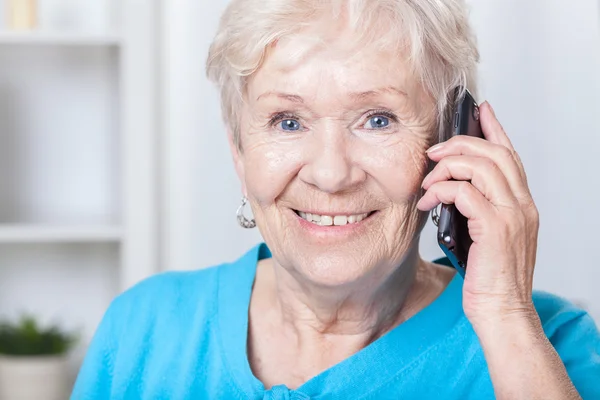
(486, 181)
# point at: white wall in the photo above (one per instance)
(99, 16)
(202, 192)
(540, 70)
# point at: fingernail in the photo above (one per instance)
(435, 148)
(491, 108)
(425, 181)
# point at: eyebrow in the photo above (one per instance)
(354, 95)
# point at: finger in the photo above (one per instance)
(500, 155)
(483, 173)
(468, 200)
(495, 133)
(491, 127)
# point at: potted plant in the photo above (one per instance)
(33, 361)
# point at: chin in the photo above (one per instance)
(333, 270)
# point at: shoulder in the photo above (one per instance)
(180, 294)
(162, 298)
(142, 329)
(179, 291)
(555, 312)
(563, 321)
(175, 287)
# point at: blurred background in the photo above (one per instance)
(114, 162)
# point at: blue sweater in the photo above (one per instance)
(182, 335)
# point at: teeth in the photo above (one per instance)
(340, 220)
(327, 220)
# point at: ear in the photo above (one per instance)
(238, 161)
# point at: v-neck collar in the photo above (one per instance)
(397, 349)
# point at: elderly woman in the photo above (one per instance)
(332, 108)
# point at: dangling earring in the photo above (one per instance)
(242, 220)
(435, 216)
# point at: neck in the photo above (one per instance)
(359, 311)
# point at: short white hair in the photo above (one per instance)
(436, 37)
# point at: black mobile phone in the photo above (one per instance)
(453, 231)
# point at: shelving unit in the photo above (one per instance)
(58, 38)
(59, 234)
(78, 167)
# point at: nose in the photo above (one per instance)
(330, 166)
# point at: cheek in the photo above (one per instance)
(398, 167)
(269, 168)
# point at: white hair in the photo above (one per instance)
(433, 35)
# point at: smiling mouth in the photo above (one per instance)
(333, 220)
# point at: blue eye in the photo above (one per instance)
(378, 121)
(290, 125)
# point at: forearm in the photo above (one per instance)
(522, 362)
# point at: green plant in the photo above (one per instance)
(27, 338)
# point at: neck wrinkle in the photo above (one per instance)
(363, 310)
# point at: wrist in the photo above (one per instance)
(520, 358)
(507, 323)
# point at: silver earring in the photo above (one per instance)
(242, 220)
(435, 216)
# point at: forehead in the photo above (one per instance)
(314, 68)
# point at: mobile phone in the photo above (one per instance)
(453, 231)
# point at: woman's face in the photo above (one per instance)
(333, 156)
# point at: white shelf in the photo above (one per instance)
(58, 233)
(58, 39)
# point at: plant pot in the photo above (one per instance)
(33, 378)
